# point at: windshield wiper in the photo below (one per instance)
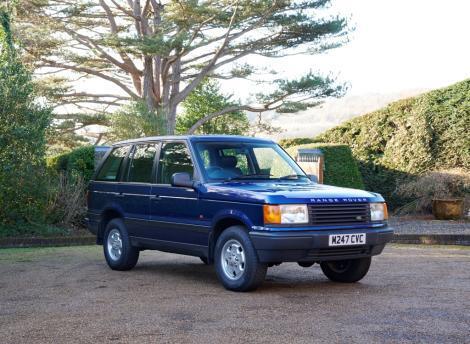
(250, 176)
(293, 176)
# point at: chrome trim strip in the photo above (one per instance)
(167, 222)
(106, 192)
(217, 200)
(178, 197)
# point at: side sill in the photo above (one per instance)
(170, 246)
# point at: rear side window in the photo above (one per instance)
(110, 170)
(140, 169)
(174, 158)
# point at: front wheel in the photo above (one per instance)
(236, 261)
(346, 271)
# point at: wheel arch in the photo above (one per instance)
(221, 224)
(106, 216)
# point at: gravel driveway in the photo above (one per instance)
(68, 295)
(404, 225)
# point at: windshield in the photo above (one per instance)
(242, 161)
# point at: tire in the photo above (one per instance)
(306, 264)
(204, 260)
(346, 271)
(244, 274)
(115, 237)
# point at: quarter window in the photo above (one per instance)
(140, 168)
(174, 158)
(110, 169)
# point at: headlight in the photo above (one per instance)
(378, 211)
(285, 214)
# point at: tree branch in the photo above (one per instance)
(48, 63)
(229, 109)
(185, 92)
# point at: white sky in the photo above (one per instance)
(397, 45)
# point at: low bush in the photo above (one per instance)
(67, 200)
(79, 163)
(422, 190)
(340, 166)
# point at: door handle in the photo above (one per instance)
(120, 195)
(155, 198)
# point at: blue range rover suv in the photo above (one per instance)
(240, 203)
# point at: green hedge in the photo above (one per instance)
(78, 162)
(296, 141)
(409, 137)
(340, 166)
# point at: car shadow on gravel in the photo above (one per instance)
(286, 280)
(190, 271)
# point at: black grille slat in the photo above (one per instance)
(338, 214)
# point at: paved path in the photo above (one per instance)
(68, 295)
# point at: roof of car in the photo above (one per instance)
(195, 138)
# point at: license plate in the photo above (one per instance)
(347, 239)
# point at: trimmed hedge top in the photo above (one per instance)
(340, 166)
(409, 137)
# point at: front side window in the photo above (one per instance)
(110, 169)
(174, 158)
(232, 161)
(140, 168)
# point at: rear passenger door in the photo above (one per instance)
(134, 190)
(174, 211)
(106, 183)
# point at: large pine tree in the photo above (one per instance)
(158, 52)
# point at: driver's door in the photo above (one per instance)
(174, 211)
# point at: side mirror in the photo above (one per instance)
(313, 178)
(182, 179)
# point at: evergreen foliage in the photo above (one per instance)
(409, 137)
(22, 138)
(206, 99)
(134, 120)
(78, 163)
(296, 141)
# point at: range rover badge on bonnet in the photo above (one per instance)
(339, 200)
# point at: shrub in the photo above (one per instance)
(67, 200)
(79, 163)
(340, 167)
(408, 138)
(431, 185)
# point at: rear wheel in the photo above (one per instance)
(118, 251)
(236, 261)
(346, 271)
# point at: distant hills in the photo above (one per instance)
(332, 113)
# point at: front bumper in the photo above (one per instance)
(295, 246)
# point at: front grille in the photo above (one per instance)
(338, 214)
(337, 252)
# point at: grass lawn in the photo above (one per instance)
(38, 230)
(31, 254)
